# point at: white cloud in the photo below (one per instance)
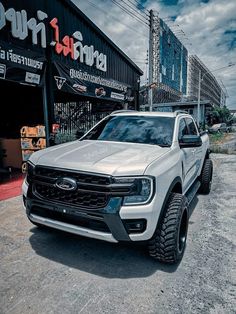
(204, 24)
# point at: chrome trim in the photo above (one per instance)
(73, 229)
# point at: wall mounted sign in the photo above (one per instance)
(23, 27)
(83, 83)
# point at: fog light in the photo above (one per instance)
(135, 226)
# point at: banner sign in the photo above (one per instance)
(22, 27)
(21, 65)
(79, 82)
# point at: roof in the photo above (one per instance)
(182, 104)
(107, 39)
(144, 113)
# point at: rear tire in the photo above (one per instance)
(206, 177)
(168, 242)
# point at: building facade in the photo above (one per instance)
(58, 67)
(168, 63)
(210, 88)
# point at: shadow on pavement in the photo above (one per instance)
(96, 257)
(193, 205)
(100, 258)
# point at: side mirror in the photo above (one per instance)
(190, 141)
(204, 132)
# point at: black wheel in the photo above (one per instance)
(206, 177)
(168, 242)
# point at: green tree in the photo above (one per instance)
(221, 114)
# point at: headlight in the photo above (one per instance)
(142, 190)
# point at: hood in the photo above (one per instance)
(113, 158)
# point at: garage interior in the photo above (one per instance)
(22, 106)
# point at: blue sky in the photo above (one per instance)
(209, 25)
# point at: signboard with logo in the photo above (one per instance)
(21, 65)
(86, 62)
(68, 79)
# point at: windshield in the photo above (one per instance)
(134, 129)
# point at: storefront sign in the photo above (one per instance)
(10, 55)
(83, 83)
(117, 96)
(22, 28)
(84, 76)
(32, 78)
(72, 46)
(20, 65)
(2, 71)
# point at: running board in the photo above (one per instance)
(193, 191)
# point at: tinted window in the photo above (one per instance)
(134, 129)
(183, 130)
(191, 126)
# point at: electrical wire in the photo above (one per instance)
(118, 20)
(135, 8)
(130, 13)
(140, 15)
(139, 4)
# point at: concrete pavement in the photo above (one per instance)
(44, 271)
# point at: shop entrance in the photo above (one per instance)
(21, 105)
(77, 115)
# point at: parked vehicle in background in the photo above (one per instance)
(130, 178)
(219, 127)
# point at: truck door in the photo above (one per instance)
(189, 155)
(192, 129)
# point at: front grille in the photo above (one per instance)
(90, 194)
(81, 199)
(86, 222)
(78, 176)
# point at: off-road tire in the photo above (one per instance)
(206, 177)
(168, 242)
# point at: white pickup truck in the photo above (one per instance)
(130, 178)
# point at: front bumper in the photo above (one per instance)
(106, 224)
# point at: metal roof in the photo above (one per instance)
(96, 29)
(183, 103)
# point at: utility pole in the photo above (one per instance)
(154, 56)
(198, 98)
(150, 63)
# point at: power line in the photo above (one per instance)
(130, 13)
(133, 8)
(137, 10)
(139, 4)
(118, 20)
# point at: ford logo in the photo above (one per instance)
(66, 184)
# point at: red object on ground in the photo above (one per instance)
(11, 188)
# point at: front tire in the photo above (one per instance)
(168, 242)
